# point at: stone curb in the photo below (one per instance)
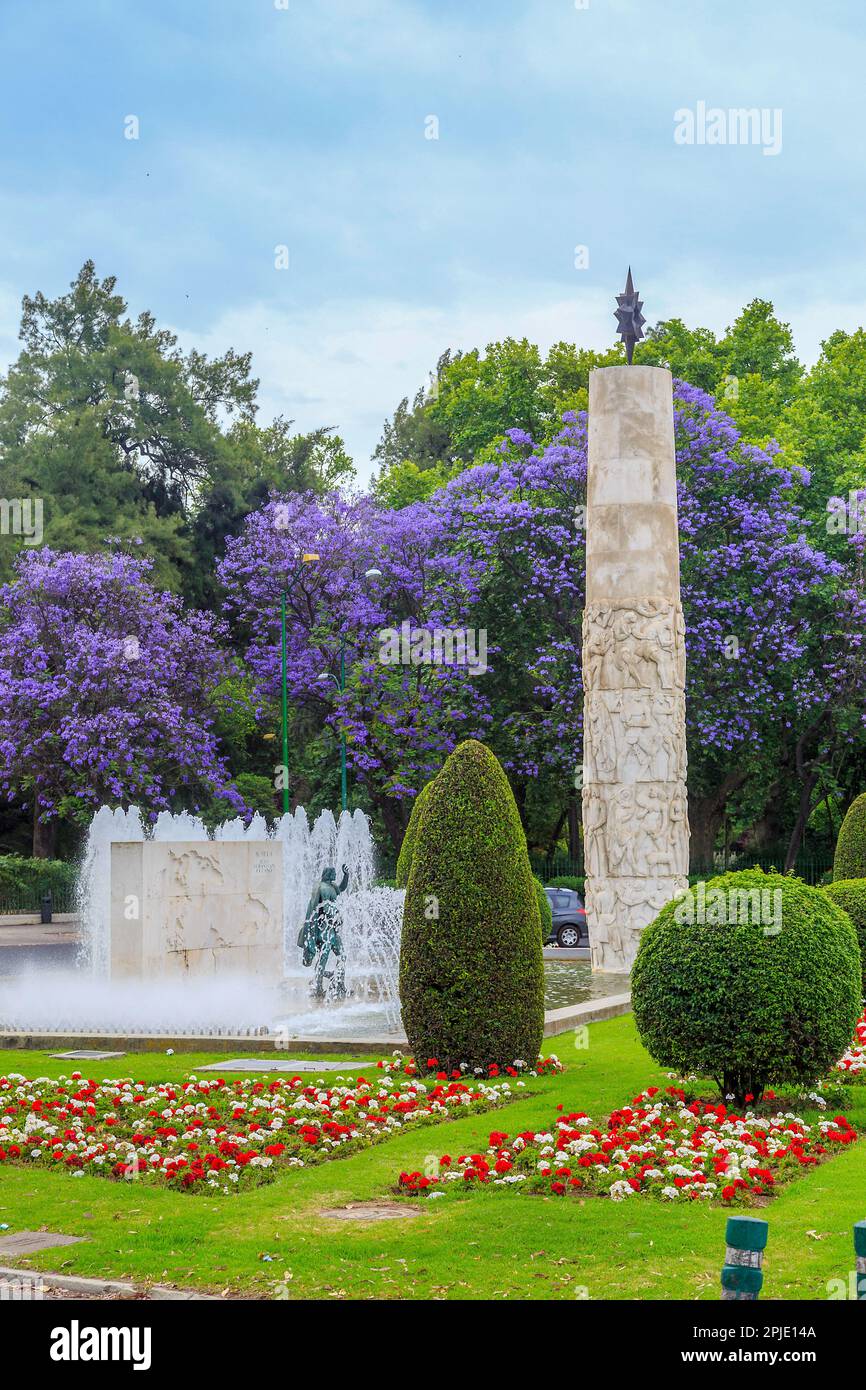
(558, 1021)
(73, 1283)
(147, 1042)
(34, 919)
(555, 1021)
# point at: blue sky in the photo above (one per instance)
(304, 126)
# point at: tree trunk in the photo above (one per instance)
(554, 839)
(44, 838)
(768, 831)
(574, 842)
(393, 819)
(706, 814)
(801, 822)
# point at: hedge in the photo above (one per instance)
(573, 881)
(23, 881)
(850, 858)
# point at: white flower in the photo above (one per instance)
(620, 1190)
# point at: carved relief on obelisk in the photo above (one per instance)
(635, 817)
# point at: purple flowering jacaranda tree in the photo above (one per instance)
(106, 688)
(401, 714)
(772, 623)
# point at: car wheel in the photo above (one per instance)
(568, 936)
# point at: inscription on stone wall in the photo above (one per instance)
(199, 909)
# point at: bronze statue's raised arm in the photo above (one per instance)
(345, 881)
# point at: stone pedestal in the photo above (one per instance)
(635, 821)
(196, 909)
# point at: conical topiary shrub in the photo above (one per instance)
(850, 895)
(471, 967)
(407, 849)
(850, 857)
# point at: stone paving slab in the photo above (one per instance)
(85, 1055)
(31, 1242)
(282, 1064)
(371, 1211)
(74, 1286)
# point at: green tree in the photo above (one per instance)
(111, 425)
(412, 433)
(255, 461)
(476, 397)
(824, 427)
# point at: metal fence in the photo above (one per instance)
(811, 866)
(20, 901)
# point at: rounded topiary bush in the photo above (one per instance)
(850, 858)
(850, 895)
(404, 859)
(765, 989)
(471, 967)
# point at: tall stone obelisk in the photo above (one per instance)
(635, 820)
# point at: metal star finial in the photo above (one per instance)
(629, 317)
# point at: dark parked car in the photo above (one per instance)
(569, 918)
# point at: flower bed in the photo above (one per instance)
(853, 1063)
(216, 1135)
(545, 1066)
(661, 1144)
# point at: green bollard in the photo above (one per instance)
(860, 1259)
(745, 1242)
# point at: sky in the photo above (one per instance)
(428, 170)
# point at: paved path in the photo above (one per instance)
(26, 943)
(17, 931)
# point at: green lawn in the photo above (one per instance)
(490, 1244)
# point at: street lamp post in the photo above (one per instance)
(285, 707)
(306, 559)
(340, 683)
(344, 789)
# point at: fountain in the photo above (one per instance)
(186, 933)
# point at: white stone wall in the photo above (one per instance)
(635, 816)
(196, 909)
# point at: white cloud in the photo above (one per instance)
(348, 363)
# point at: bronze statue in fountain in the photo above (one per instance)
(320, 936)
